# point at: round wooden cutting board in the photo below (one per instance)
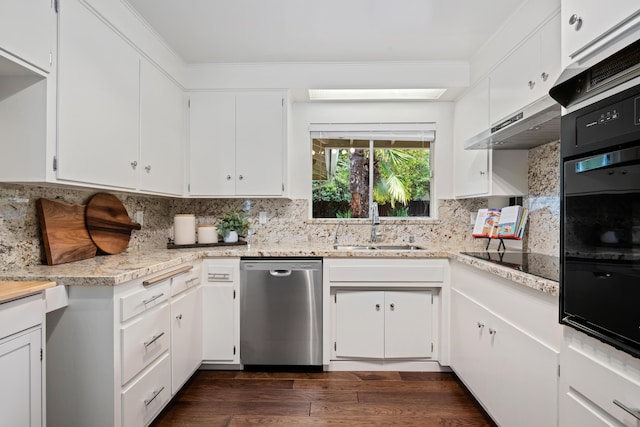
(108, 223)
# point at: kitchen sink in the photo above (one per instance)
(377, 247)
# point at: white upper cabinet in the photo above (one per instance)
(28, 31)
(237, 143)
(586, 22)
(98, 101)
(527, 74)
(161, 132)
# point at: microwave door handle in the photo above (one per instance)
(608, 159)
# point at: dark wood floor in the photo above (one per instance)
(241, 398)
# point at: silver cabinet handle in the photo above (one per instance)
(155, 394)
(190, 281)
(480, 325)
(392, 306)
(632, 411)
(577, 20)
(168, 275)
(531, 84)
(153, 298)
(179, 317)
(544, 76)
(134, 164)
(148, 168)
(492, 331)
(377, 306)
(154, 339)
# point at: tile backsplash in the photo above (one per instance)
(287, 220)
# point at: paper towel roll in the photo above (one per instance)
(184, 229)
(207, 234)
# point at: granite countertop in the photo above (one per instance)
(10, 290)
(112, 270)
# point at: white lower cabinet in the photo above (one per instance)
(593, 377)
(221, 311)
(505, 347)
(384, 313)
(186, 336)
(113, 350)
(383, 324)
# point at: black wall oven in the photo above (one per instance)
(600, 227)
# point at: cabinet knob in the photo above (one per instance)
(544, 76)
(575, 20)
(480, 325)
(492, 331)
(377, 306)
(240, 177)
(228, 177)
(179, 317)
(392, 306)
(482, 173)
(134, 164)
(531, 84)
(148, 168)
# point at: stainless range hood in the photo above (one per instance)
(536, 124)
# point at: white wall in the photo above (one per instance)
(305, 113)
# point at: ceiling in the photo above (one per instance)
(249, 31)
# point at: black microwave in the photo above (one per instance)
(600, 220)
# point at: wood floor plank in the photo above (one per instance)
(204, 393)
(428, 376)
(335, 375)
(417, 386)
(231, 383)
(242, 421)
(374, 410)
(418, 398)
(298, 409)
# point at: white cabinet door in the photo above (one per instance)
(21, 385)
(236, 144)
(513, 82)
(186, 336)
(383, 324)
(360, 324)
(550, 56)
(212, 155)
(494, 359)
(471, 167)
(259, 143)
(98, 101)
(161, 132)
(221, 333)
(407, 329)
(593, 21)
(28, 30)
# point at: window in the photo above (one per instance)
(352, 168)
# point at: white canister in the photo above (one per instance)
(207, 233)
(184, 229)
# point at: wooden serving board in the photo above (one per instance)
(64, 233)
(108, 223)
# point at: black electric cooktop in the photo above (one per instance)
(545, 266)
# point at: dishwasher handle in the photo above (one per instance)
(280, 273)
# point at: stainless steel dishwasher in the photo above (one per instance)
(281, 312)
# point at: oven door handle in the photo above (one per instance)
(608, 159)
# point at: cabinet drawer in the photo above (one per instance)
(144, 340)
(144, 299)
(185, 281)
(21, 314)
(376, 270)
(591, 382)
(148, 395)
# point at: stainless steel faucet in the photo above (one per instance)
(375, 221)
(335, 238)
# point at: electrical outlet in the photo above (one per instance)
(139, 217)
(472, 218)
(262, 217)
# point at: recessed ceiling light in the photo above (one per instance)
(373, 94)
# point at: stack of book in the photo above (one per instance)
(505, 223)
